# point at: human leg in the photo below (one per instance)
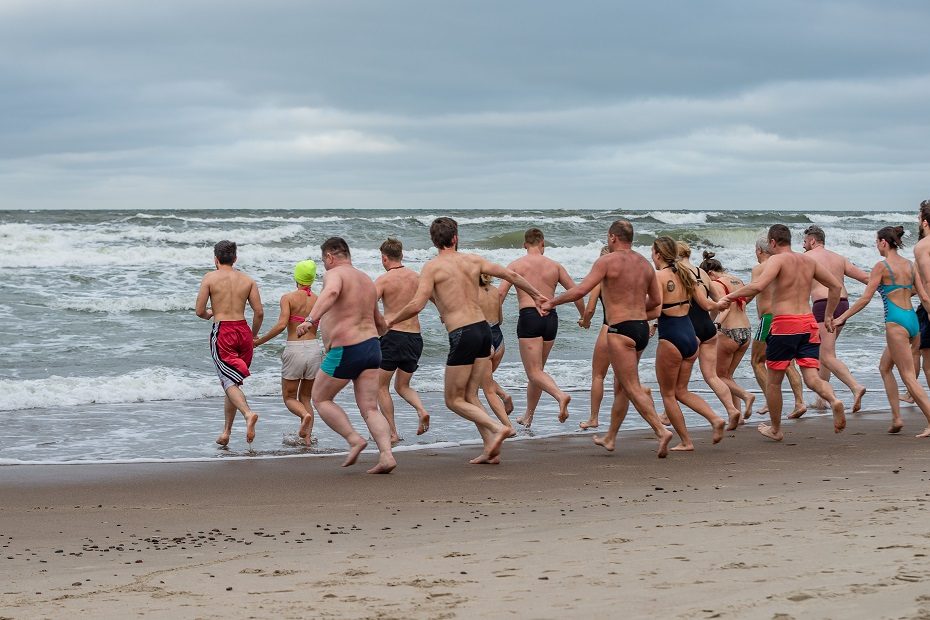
(899, 346)
(773, 398)
(405, 391)
(757, 359)
(235, 395)
(813, 381)
(829, 362)
(385, 402)
(668, 365)
(707, 356)
(600, 363)
(366, 397)
(534, 352)
(290, 392)
(695, 402)
(624, 359)
(457, 380)
(886, 369)
(229, 415)
(618, 411)
(324, 392)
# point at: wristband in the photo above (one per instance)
(312, 321)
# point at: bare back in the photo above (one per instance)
(490, 302)
(351, 318)
(628, 278)
(540, 271)
(792, 284)
(455, 287)
(298, 304)
(228, 291)
(396, 288)
(835, 264)
(764, 297)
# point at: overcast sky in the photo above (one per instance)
(499, 104)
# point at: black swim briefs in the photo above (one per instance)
(532, 325)
(637, 331)
(401, 350)
(923, 321)
(497, 336)
(468, 343)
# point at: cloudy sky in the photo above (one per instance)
(503, 104)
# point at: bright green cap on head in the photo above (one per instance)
(305, 272)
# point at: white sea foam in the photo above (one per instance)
(679, 218)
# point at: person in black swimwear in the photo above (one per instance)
(631, 294)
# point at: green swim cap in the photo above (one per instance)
(305, 272)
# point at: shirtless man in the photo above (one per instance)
(922, 263)
(347, 313)
(793, 334)
(764, 310)
(630, 295)
(402, 346)
(228, 290)
(535, 333)
(840, 267)
(451, 280)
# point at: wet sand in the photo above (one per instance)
(820, 526)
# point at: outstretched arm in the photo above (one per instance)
(875, 278)
(834, 288)
(499, 271)
(585, 320)
(594, 277)
(567, 283)
(258, 313)
(279, 326)
(332, 286)
(200, 308)
(419, 301)
(855, 273)
(768, 274)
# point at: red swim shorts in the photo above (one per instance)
(231, 349)
(793, 337)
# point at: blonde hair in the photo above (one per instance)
(684, 250)
(669, 250)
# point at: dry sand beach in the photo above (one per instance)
(821, 526)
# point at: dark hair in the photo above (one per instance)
(442, 230)
(393, 248)
(622, 229)
(817, 233)
(893, 235)
(667, 249)
(533, 236)
(225, 252)
(780, 234)
(710, 263)
(336, 245)
(925, 211)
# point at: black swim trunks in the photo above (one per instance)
(350, 361)
(497, 336)
(637, 331)
(819, 309)
(531, 325)
(923, 321)
(401, 350)
(468, 343)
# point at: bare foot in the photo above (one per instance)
(511, 432)
(663, 420)
(896, 426)
(718, 429)
(763, 411)
(423, 426)
(354, 450)
(818, 405)
(766, 430)
(857, 404)
(525, 420)
(926, 433)
(484, 459)
(305, 426)
(799, 411)
(508, 403)
(494, 448)
(734, 421)
(563, 408)
(906, 397)
(747, 413)
(607, 444)
(250, 427)
(386, 465)
(839, 416)
(223, 439)
(589, 424)
(395, 439)
(664, 440)
(682, 447)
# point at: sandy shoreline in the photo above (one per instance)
(821, 526)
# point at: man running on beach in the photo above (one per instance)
(535, 333)
(347, 312)
(839, 267)
(630, 295)
(228, 290)
(401, 346)
(451, 280)
(757, 355)
(922, 264)
(793, 334)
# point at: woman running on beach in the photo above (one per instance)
(707, 335)
(301, 356)
(678, 344)
(733, 327)
(490, 301)
(895, 280)
(600, 361)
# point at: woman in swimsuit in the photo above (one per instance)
(707, 335)
(490, 301)
(893, 277)
(678, 343)
(301, 356)
(600, 360)
(735, 333)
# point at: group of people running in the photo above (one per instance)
(699, 313)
